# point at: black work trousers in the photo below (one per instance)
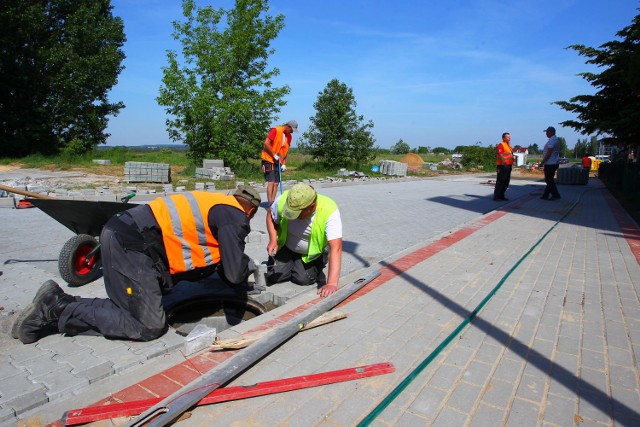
(289, 266)
(134, 287)
(502, 181)
(549, 179)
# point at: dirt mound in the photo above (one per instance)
(412, 159)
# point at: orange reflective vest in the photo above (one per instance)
(504, 153)
(186, 232)
(279, 146)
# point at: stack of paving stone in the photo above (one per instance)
(147, 172)
(391, 167)
(573, 176)
(215, 169)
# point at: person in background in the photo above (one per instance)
(305, 232)
(504, 162)
(586, 161)
(274, 155)
(550, 161)
(144, 250)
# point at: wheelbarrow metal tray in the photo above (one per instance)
(81, 216)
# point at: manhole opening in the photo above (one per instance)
(219, 311)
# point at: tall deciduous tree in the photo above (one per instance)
(614, 110)
(337, 135)
(58, 61)
(400, 147)
(221, 100)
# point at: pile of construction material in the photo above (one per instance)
(573, 176)
(391, 167)
(147, 172)
(215, 169)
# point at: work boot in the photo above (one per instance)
(42, 314)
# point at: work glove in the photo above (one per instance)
(276, 157)
(283, 168)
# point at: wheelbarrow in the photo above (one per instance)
(79, 261)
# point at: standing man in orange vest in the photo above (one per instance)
(274, 155)
(504, 162)
(144, 251)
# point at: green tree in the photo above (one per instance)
(337, 135)
(476, 155)
(533, 149)
(400, 147)
(221, 100)
(563, 146)
(441, 150)
(614, 110)
(59, 60)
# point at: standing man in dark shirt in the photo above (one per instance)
(145, 250)
(551, 162)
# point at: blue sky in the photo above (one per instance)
(438, 73)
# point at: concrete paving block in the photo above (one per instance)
(523, 414)
(26, 402)
(445, 377)
(448, 417)
(464, 397)
(351, 409)
(150, 349)
(485, 416)
(18, 387)
(40, 365)
(97, 373)
(58, 347)
(560, 411)
(81, 361)
(477, 373)
(531, 387)
(498, 393)
(314, 411)
(60, 382)
(427, 402)
(7, 414)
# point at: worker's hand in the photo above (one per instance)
(283, 168)
(272, 248)
(327, 290)
(276, 157)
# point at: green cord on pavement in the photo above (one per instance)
(409, 378)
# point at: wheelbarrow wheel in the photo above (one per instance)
(76, 264)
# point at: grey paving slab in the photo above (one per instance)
(555, 337)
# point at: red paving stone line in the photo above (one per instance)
(409, 261)
(628, 226)
(171, 380)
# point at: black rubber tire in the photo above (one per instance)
(71, 263)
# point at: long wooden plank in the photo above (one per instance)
(104, 412)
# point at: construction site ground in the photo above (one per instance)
(524, 312)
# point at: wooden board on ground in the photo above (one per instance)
(247, 339)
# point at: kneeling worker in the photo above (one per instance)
(145, 250)
(302, 225)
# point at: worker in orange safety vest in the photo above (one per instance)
(274, 155)
(144, 250)
(504, 163)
